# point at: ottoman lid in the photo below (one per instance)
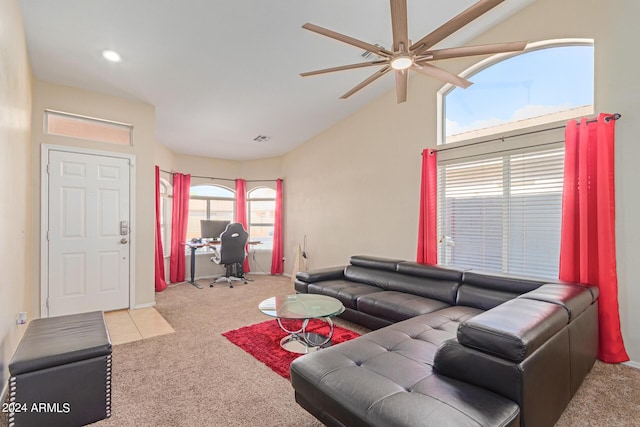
(56, 341)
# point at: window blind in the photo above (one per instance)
(502, 211)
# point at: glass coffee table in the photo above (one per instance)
(303, 307)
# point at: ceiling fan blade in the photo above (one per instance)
(454, 25)
(399, 25)
(440, 74)
(348, 40)
(344, 67)
(458, 52)
(368, 80)
(401, 85)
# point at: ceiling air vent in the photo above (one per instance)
(370, 55)
(261, 138)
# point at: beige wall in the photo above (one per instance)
(15, 162)
(355, 188)
(142, 117)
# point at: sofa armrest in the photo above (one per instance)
(520, 350)
(513, 330)
(318, 275)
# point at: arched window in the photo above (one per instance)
(500, 189)
(262, 208)
(166, 199)
(209, 202)
(549, 82)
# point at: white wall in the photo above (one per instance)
(355, 188)
(15, 164)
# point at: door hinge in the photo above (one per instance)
(47, 168)
(47, 235)
(47, 303)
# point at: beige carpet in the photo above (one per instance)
(195, 377)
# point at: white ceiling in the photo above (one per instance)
(220, 73)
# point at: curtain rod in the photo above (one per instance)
(615, 116)
(222, 179)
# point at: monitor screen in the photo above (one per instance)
(212, 229)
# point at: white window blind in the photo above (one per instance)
(502, 212)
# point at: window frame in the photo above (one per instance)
(208, 200)
(526, 139)
(249, 210)
(441, 138)
(166, 206)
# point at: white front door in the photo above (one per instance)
(88, 233)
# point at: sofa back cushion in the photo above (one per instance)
(374, 262)
(441, 290)
(488, 290)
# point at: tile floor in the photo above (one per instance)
(131, 325)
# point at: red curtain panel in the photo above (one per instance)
(427, 226)
(161, 284)
(588, 245)
(277, 254)
(179, 219)
(241, 212)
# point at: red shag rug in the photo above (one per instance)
(262, 341)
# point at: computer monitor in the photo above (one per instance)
(212, 229)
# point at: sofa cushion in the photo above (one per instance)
(397, 306)
(385, 378)
(346, 291)
(574, 299)
(431, 271)
(441, 290)
(514, 330)
(488, 290)
(375, 263)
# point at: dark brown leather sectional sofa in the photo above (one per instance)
(448, 347)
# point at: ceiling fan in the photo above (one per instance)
(416, 56)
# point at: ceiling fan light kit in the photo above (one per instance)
(418, 55)
(401, 62)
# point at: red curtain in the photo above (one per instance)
(161, 284)
(588, 246)
(241, 212)
(179, 219)
(276, 255)
(427, 226)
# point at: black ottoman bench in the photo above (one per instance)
(60, 374)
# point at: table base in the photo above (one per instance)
(303, 342)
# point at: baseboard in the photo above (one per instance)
(632, 364)
(147, 305)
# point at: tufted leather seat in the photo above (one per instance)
(449, 347)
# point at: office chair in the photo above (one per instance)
(232, 253)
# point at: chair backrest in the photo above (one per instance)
(232, 243)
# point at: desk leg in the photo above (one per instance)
(193, 268)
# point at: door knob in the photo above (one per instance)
(124, 241)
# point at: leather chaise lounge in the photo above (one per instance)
(448, 347)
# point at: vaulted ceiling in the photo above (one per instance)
(221, 73)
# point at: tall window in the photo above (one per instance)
(165, 216)
(500, 187)
(262, 208)
(209, 202)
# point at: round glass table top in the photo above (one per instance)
(301, 306)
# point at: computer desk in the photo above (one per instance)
(195, 246)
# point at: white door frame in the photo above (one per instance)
(44, 218)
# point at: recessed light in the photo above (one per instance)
(111, 55)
